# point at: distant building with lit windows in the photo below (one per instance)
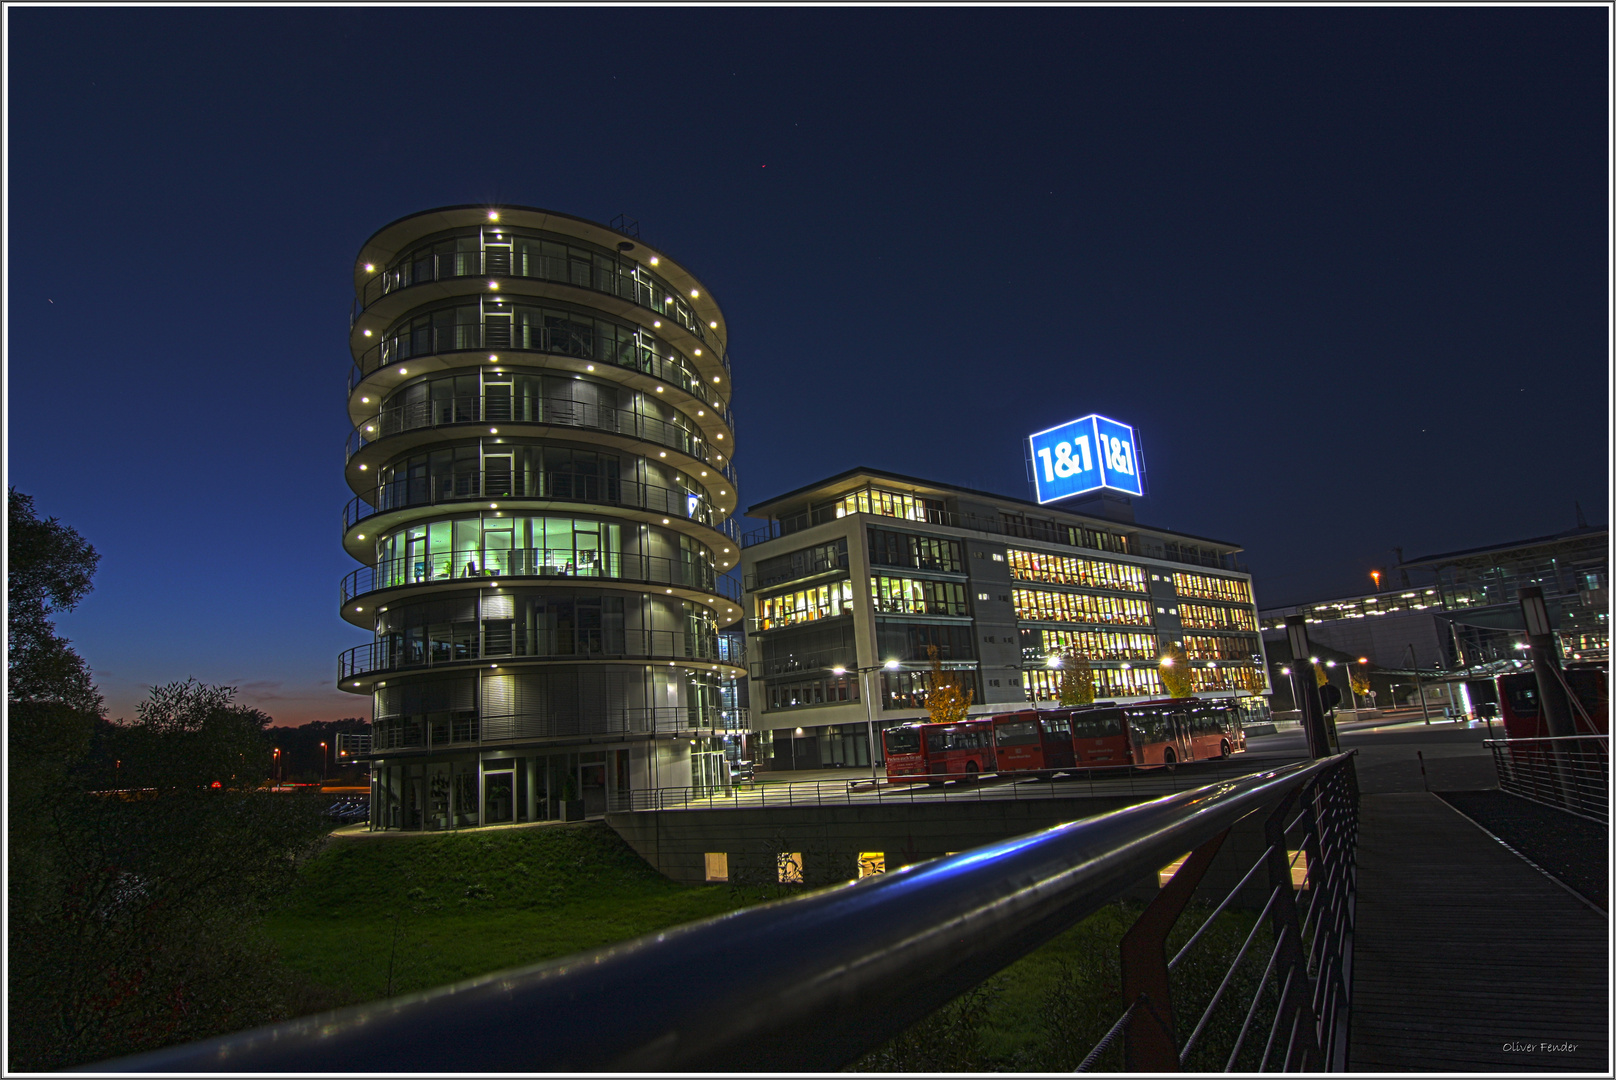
(864, 570)
(542, 468)
(1460, 610)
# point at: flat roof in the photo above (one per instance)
(864, 470)
(1513, 545)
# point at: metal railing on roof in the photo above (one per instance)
(856, 964)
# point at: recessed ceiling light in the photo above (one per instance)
(368, 268)
(653, 260)
(367, 333)
(493, 215)
(713, 325)
(694, 294)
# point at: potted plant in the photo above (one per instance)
(572, 807)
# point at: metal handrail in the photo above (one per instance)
(553, 412)
(434, 491)
(503, 564)
(473, 337)
(660, 646)
(855, 964)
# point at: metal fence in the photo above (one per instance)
(1571, 772)
(812, 984)
(863, 790)
(1297, 1011)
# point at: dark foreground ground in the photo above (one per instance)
(1572, 849)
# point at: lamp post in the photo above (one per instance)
(1413, 662)
(277, 766)
(322, 763)
(869, 706)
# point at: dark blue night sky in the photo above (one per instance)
(1345, 269)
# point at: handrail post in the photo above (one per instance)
(1151, 1044)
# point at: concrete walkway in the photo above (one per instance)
(1466, 958)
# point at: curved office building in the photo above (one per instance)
(541, 464)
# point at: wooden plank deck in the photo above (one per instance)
(1465, 956)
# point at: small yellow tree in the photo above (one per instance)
(945, 701)
(1320, 676)
(1076, 679)
(1175, 672)
(1360, 683)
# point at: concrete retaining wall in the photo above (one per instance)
(830, 839)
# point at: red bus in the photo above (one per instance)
(1153, 733)
(1518, 704)
(936, 752)
(1035, 742)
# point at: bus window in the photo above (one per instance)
(1523, 699)
(1019, 733)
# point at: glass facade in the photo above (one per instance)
(1045, 605)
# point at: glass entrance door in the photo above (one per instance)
(499, 797)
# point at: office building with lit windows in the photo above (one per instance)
(855, 576)
(541, 462)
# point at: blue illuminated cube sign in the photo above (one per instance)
(1085, 455)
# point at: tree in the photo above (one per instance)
(1320, 676)
(49, 569)
(1360, 683)
(945, 701)
(1076, 679)
(1175, 672)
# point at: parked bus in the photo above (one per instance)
(1033, 741)
(937, 752)
(1523, 719)
(1153, 733)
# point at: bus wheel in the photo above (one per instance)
(1169, 759)
(970, 772)
(1225, 748)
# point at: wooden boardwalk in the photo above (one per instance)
(1466, 959)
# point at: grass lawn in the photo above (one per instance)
(375, 916)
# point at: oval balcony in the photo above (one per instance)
(622, 282)
(523, 647)
(515, 566)
(674, 504)
(546, 341)
(554, 412)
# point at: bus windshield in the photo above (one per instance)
(903, 742)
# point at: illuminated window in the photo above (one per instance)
(717, 866)
(789, 864)
(1071, 570)
(1094, 644)
(1213, 588)
(912, 596)
(872, 863)
(1208, 617)
(1043, 605)
(805, 605)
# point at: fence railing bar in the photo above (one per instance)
(1256, 998)
(1227, 900)
(1105, 1041)
(1228, 977)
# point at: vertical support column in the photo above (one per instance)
(1294, 1019)
(1551, 693)
(1305, 690)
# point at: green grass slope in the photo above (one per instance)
(377, 916)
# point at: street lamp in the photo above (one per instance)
(322, 762)
(277, 765)
(869, 706)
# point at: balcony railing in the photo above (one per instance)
(395, 734)
(667, 646)
(813, 983)
(545, 563)
(557, 487)
(636, 288)
(467, 409)
(547, 340)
